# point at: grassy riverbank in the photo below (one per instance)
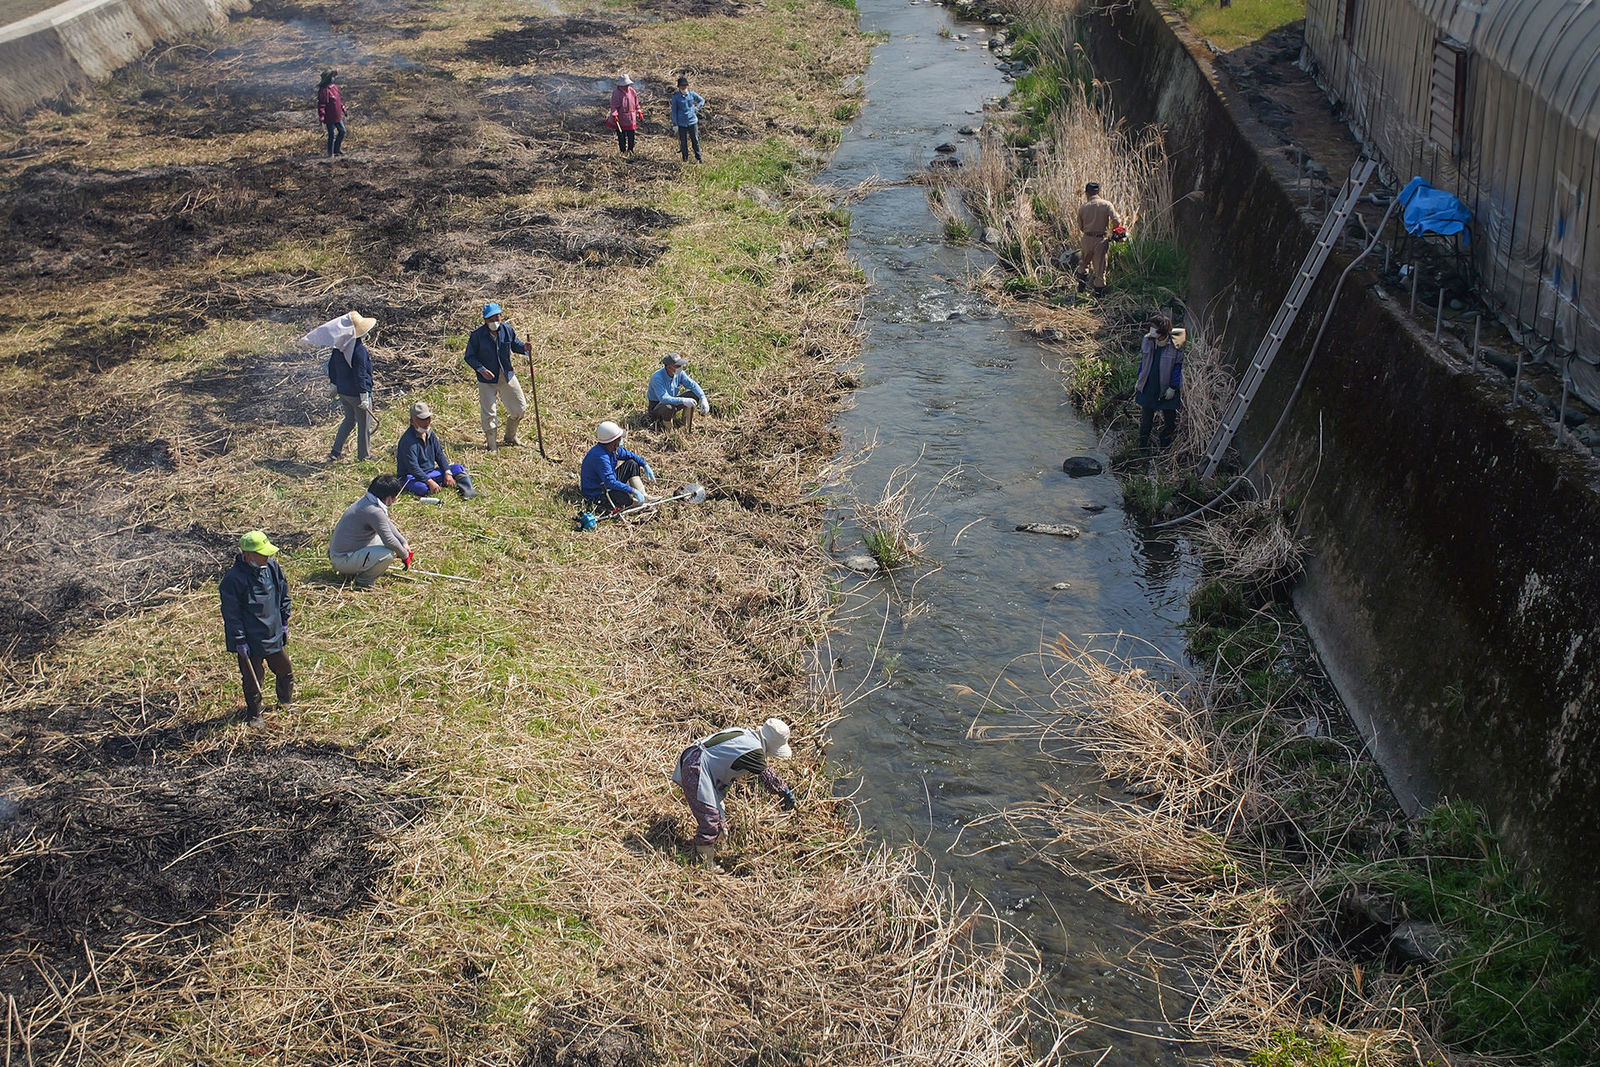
(461, 846)
(1307, 920)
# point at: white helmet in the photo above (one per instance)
(607, 432)
(775, 739)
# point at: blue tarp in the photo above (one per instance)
(1429, 210)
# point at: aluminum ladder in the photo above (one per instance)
(1332, 226)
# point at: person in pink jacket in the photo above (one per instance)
(624, 113)
(330, 112)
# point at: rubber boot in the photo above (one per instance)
(285, 691)
(511, 430)
(253, 714)
(649, 497)
(707, 855)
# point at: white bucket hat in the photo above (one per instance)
(624, 80)
(775, 739)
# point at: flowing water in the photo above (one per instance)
(979, 409)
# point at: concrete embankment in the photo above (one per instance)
(1452, 584)
(46, 54)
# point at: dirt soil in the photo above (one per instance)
(166, 238)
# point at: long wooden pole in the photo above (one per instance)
(538, 424)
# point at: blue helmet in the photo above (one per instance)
(491, 309)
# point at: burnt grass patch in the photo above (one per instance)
(72, 566)
(611, 235)
(567, 40)
(113, 829)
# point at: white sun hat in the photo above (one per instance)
(775, 739)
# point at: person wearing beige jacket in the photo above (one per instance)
(1096, 218)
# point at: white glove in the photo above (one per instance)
(1169, 394)
(365, 403)
(705, 407)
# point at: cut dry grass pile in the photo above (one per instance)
(1247, 880)
(1251, 546)
(476, 857)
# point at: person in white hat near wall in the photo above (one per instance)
(624, 117)
(350, 373)
(489, 355)
(672, 396)
(710, 766)
(611, 477)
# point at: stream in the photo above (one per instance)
(977, 413)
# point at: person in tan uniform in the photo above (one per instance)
(1096, 218)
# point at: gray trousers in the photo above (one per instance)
(358, 417)
(365, 563)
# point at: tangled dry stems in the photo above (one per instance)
(1251, 545)
(1245, 889)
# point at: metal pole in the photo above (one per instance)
(1413, 309)
(1516, 383)
(1386, 257)
(1476, 326)
(1438, 314)
(1561, 419)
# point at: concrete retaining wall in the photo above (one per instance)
(1454, 588)
(82, 41)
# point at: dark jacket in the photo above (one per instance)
(352, 378)
(1160, 366)
(255, 606)
(492, 351)
(417, 457)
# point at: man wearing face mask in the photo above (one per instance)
(255, 621)
(489, 352)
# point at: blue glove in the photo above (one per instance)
(243, 648)
(788, 803)
(638, 497)
(649, 475)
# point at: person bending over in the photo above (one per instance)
(709, 767)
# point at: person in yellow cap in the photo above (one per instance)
(255, 621)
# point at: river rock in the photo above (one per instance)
(968, 131)
(860, 563)
(947, 147)
(1082, 466)
(1062, 585)
(1053, 529)
(762, 199)
(991, 236)
(1418, 942)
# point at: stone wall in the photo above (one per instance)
(80, 42)
(1453, 589)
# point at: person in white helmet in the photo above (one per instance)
(707, 768)
(612, 478)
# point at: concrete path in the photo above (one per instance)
(17, 10)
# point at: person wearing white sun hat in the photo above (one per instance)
(350, 374)
(709, 767)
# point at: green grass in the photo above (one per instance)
(1241, 22)
(1100, 377)
(1292, 1050)
(1157, 271)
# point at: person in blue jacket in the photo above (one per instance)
(1160, 383)
(686, 105)
(611, 477)
(420, 459)
(672, 396)
(350, 371)
(489, 355)
(255, 621)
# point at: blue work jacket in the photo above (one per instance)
(599, 471)
(665, 386)
(491, 351)
(417, 457)
(684, 107)
(354, 377)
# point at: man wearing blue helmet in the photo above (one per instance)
(489, 352)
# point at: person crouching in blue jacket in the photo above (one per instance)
(612, 478)
(672, 396)
(255, 621)
(420, 459)
(1160, 382)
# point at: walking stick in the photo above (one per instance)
(538, 424)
